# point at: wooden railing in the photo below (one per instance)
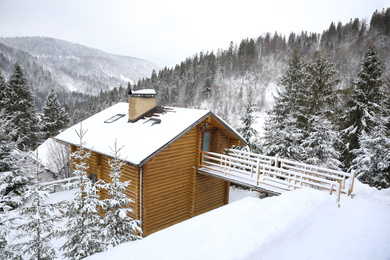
(60, 185)
(275, 173)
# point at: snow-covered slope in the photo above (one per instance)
(303, 224)
(73, 66)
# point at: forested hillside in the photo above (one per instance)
(74, 71)
(222, 80)
(324, 98)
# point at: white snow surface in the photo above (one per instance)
(301, 224)
(140, 139)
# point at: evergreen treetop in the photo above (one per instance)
(18, 102)
(365, 103)
(54, 116)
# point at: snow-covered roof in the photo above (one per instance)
(144, 92)
(142, 139)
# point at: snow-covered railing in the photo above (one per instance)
(275, 173)
(60, 185)
(347, 179)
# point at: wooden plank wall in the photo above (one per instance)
(167, 188)
(98, 164)
(128, 173)
(210, 193)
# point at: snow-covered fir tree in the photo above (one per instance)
(38, 221)
(84, 222)
(7, 145)
(320, 136)
(363, 106)
(2, 91)
(322, 82)
(247, 120)
(14, 183)
(285, 122)
(372, 162)
(320, 144)
(118, 225)
(6, 251)
(18, 102)
(54, 116)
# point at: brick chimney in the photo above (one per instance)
(141, 102)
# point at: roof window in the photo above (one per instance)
(153, 121)
(114, 118)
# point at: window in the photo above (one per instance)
(93, 178)
(207, 140)
(114, 118)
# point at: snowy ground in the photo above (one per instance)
(303, 224)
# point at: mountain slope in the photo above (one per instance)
(65, 66)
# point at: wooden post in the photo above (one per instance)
(201, 159)
(351, 182)
(193, 193)
(257, 172)
(339, 192)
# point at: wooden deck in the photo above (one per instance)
(274, 175)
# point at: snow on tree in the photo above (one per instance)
(37, 222)
(84, 222)
(323, 80)
(364, 104)
(372, 162)
(284, 123)
(7, 145)
(14, 183)
(320, 136)
(54, 116)
(118, 226)
(247, 120)
(2, 91)
(320, 144)
(6, 251)
(18, 102)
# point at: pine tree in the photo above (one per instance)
(363, 106)
(6, 250)
(54, 116)
(18, 101)
(247, 120)
(2, 92)
(7, 145)
(320, 136)
(285, 122)
(38, 222)
(320, 144)
(14, 183)
(84, 222)
(118, 226)
(323, 80)
(372, 162)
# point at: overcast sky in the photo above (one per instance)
(165, 32)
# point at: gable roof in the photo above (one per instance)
(141, 140)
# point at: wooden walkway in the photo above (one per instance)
(274, 175)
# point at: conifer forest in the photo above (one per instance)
(318, 98)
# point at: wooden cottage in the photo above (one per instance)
(162, 152)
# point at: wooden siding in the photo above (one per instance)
(172, 190)
(98, 164)
(167, 185)
(210, 193)
(128, 173)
